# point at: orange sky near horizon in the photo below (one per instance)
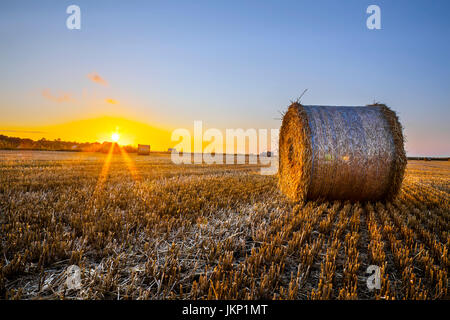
(99, 129)
(127, 132)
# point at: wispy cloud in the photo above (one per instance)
(111, 101)
(95, 77)
(63, 97)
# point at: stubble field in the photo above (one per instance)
(140, 227)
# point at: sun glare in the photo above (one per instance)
(115, 137)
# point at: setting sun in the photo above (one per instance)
(115, 137)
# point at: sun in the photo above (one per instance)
(115, 137)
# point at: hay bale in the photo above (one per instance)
(345, 153)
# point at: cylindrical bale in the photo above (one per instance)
(341, 153)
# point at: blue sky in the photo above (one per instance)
(229, 63)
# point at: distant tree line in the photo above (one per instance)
(430, 158)
(14, 143)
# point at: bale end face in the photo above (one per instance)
(295, 153)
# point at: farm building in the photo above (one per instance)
(143, 149)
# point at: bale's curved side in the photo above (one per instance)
(294, 171)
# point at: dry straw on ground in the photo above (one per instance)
(210, 232)
(345, 153)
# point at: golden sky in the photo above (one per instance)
(98, 129)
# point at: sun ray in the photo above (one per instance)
(100, 181)
(131, 167)
(137, 178)
(103, 175)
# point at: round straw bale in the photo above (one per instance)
(341, 153)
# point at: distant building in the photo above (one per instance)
(143, 149)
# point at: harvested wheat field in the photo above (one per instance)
(144, 228)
